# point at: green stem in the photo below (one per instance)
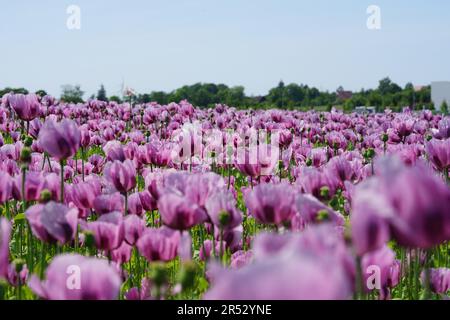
(221, 245)
(62, 180)
(43, 257)
(82, 163)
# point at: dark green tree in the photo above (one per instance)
(444, 107)
(101, 94)
(72, 94)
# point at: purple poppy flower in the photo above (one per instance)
(205, 250)
(84, 194)
(6, 185)
(341, 169)
(85, 136)
(144, 293)
(53, 222)
(134, 228)
(26, 106)
(439, 280)
(135, 205)
(313, 211)
(299, 276)
(377, 263)
(108, 231)
(240, 259)
(369, 219)
(34, 184)
(5, 234)
(114, 151)
(147, 201)
(221, 209)
(121, 175)
(177, 212)
(60, 139)
(122, 254)
(106, 203)
(159, 244)
(271, 203)
(439, 153)
(75, 277)
(443, 131)
(419, 202)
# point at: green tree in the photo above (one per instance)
(72, 94)
(13, 90)
(444, 107)
(101, 94)
(115, 98)
(386, 86)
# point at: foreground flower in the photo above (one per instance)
(412, 201)
(287, 276)
(60, 139)
(75, 277)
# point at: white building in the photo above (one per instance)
(440, 91)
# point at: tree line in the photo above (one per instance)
(290, 96)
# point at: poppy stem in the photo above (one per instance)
(221, 245)
(43, 257)
(62, 180)
(214, 242)
(82, 163)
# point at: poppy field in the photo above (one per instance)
(122, 201)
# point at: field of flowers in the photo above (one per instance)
(119, 201)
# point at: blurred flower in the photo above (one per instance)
(75, 277)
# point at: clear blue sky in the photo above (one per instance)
(162, 45)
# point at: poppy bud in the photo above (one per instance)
(322, 216)
(25, 155)
(309, 162)
(325, 192)
(224, 218)
(19, 263)
(45, 196)
(28, 141)
(159, 274)
(187, 275)
(89, 239)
